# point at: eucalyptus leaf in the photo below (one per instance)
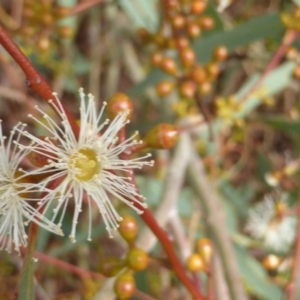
(281, 123)
(141, 13)
(255, 276)
(297, 2)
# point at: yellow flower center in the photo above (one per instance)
(86, 164)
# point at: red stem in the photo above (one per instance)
(288, 39)
(163, 238)
(83, 6)
(168, 246)
(34, 78)
(68, 267)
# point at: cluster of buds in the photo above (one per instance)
(41, 20)
(182, 22)
(201, 259)
(124, 268)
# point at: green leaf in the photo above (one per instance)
(297, 2)
(257, 28)
(277, 80)
(238, 196)
(141, 13)
(185, 203)
(283, 124)
(255, 276)
(26, 290)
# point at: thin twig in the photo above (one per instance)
(291, 289)
(84, 274)
(34, 78)
(220, 287)
(171, 189)
(83, 6)
(173, 184)
(216, 222)
(288, 39)
(168, 247)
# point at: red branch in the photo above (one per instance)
(68, 267)
(161, 235)
(168, 246)
(34, 78)
(83, 6)
(288, 39)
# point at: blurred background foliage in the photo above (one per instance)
(248, 139)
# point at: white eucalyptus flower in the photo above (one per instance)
(89, 168)
(264, 223)
(15, 190)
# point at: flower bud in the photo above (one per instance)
(137, 259)
(119, 103)
(111, 266)
(206, 22)
(178, 21)
(220, 53)
(187, 89)
(164, 88)
(162, 136)
(205, 249)
(182, 42)
(171, 4)
(292, 53)
(213, 69)
(195, 263)
(198, 74)
(156, 58)
(168, 65)
(43, 44)
(296, 72)
(205, 88)
(198, 6)
(47, 19)
(188, 57)
(128, 228)
(193, 29)
(271, 263)
(124, 286)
